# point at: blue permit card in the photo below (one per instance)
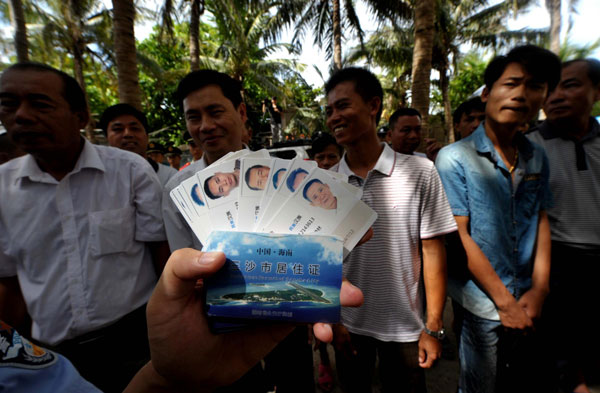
(288, 278)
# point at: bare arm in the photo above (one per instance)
(511, 314)
(533, 300)
(435, 279)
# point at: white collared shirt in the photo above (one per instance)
(407, 194)
(78, 245)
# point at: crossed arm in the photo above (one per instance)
(513, 314)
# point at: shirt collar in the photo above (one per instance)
(549, 132)
(88, 158)
(484, 145)
(384, 165)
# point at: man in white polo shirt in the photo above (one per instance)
(571, 139)
(407, 247)
(80, 228)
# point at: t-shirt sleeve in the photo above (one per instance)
(436, 216)
(452, 175)
(147, 200)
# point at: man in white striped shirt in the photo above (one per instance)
(571, 139)
(407, 245)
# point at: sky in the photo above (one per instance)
(584, 30)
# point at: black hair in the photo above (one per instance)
(322, 141)
(247, 176)
(207, 190)
(199, 79)
(307, 186)
(473, 104)
(72, 91)
(543, 65)
(114, 111)
(292, 177)
(593, 68)
(366, 85)
(401, 113)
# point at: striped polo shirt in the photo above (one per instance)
(408, 196)
(575, 184)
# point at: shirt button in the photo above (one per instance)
(515, 250)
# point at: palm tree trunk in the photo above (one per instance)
(337, 36)
(77, 49)
(448, 122)
(127, 71)
(196, 11)
(421, 67)
(555, 23)
(78, 65)
(18, 22)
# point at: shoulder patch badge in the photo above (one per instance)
(16, 351)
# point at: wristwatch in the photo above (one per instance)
(440, 334)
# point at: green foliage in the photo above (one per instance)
(468, 77)
(162, 65)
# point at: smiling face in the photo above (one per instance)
(573, 99)
(514, 98)
(221, 184)
(320, 195)
(349, 117)
(213, 122)
(258, 177)
(127, 133)
(36, 115)
(406, 134)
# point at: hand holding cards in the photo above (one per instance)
(247, 202)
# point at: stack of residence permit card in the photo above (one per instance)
(285, 227)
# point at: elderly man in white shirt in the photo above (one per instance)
(80, 229)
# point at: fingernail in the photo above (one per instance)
(207, 258)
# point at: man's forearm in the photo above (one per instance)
(541, 267)
(435, 277)
(481, 268)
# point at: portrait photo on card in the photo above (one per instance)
(220, 183)
(255, 176)
(255, 180)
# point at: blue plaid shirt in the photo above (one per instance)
(503, 212)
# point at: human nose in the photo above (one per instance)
(24, 113)
(332, 118)
(555, 96)
(207, 124)
(128, 132)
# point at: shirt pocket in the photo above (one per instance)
(112, 231)
(529, 197)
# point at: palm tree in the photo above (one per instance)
(124, 44)
(196, 10)
(18, 22)
(66, 27)
(168, 11)
(553, 7)
(326, 20)
(422, 55)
